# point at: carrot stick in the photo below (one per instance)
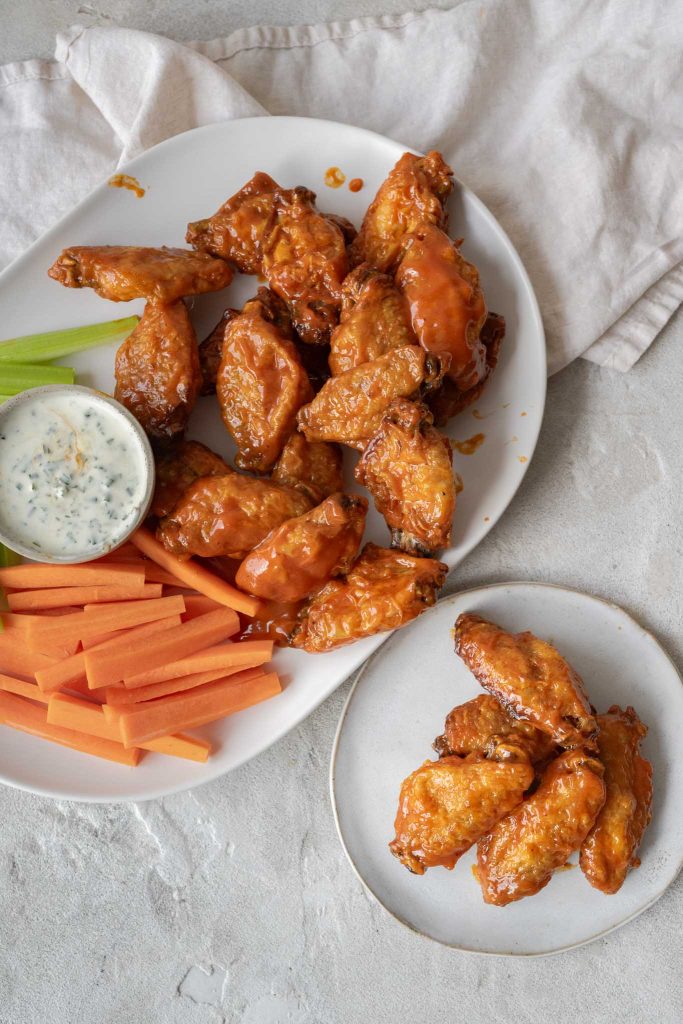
(104, 667)
(118, 696)
(247, 653)
(194, 575)
(18, 660)
(192, 748)
(121, 615)
(126, 553)
(31, 718)
(182, 711)
(80, 689)
(155, 574)
(20, 620)
(34, 576)
(22, 689)
(198, 604)
(36, 600)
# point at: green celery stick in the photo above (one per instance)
(3, 398)
(41, 348)
(16, 377)
(7, 558)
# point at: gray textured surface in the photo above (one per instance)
(234, 903)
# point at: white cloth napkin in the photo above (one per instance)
(564, 118)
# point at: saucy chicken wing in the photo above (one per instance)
(179, 467)
(157, 370)
(124, 272)
(297, 558)
(528, 676)
(228, 515)
(313, 467)
(374, 319)
(383, 590)
(480, 724)
(519, 855)
(446, 303)
(279, 233)
(349, 408)
(261, 384)
(414, 193)
(447, 805)
(611, 846)
(449, 400)
(211, 351)
(407, 468)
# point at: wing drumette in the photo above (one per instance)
(179, 467)
(314, 467)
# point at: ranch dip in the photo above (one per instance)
(74, 474)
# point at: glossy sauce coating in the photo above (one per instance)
(449, 400)
(274, 621)
(313, 467)
(355, 185)
(479, 724)
(179, 467)
(211, 351)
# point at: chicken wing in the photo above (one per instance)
(313, 467)
(124, 272)
(211, 350)
(529, 677)
(384, 589)
(179, 467)
(228, 515)
(157, 370)
(519, 855)
(300, 556)
(446, 303)
(406, 466)
(414, 193)
(274, 621)
(611, 846)
(374, 319)
(480, 724)
(449, 400)
(349, 408)
(447, 805)
(280, 233)
(261, 384)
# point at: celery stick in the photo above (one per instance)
(8, 557)
(40, 348)
(16, 377)
(3, 398)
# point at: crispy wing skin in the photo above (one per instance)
(414, 193)
(179, 467)
(347, 229)
(157, 370)
(519, 855)
(300, 556)
(529, 677)
(407, 468)
(480, 724)
(611, 846)
(261, 384)
(124, 272)
(449, 400)
(228, 515)
(313, 467)
(446, 303)
(211, 351)
(447, 805)
(374, 319)
(349, 408)
(384, 589)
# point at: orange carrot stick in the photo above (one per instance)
(121, 615)
(18, 660)
(104, 667)
(21, 620)
(198, 604)
(126, 553)
(118, 696)
(22, 689)
(247, 653)
(192, 748)
(35, 576)
(37, 600)
(194, 575)
(155, 574)
(31, 718)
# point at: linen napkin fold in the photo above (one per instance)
(564, 119)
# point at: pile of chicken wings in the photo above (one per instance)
(360, 339)
(529, 773)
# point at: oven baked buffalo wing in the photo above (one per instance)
(179, 467)
(374, 319)
(228, 515)
(449, 400)
(279, 233)
(611, 846)
(297, 558)
(261, 384)
(415, 192)
(528, 676)
(447, 805)
(384, 589)
(124, 272)
(407, 468)
(446, 303)
(313, 467)
(349, 408)
(480, 724)
(211, 350)
(519, 855)
(157, 370)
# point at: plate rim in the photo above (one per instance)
(541, 585)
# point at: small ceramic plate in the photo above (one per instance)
(397, 707)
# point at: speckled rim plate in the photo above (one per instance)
(186, 178)
(397, 706)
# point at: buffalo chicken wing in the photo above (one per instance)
(480, 724)
(313, 467)
(179, 467)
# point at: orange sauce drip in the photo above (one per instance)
(522, 458)
(470, 446)
(334, 178)
(459, 485)
(482, 415)
(356, 184)
(126, 181)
